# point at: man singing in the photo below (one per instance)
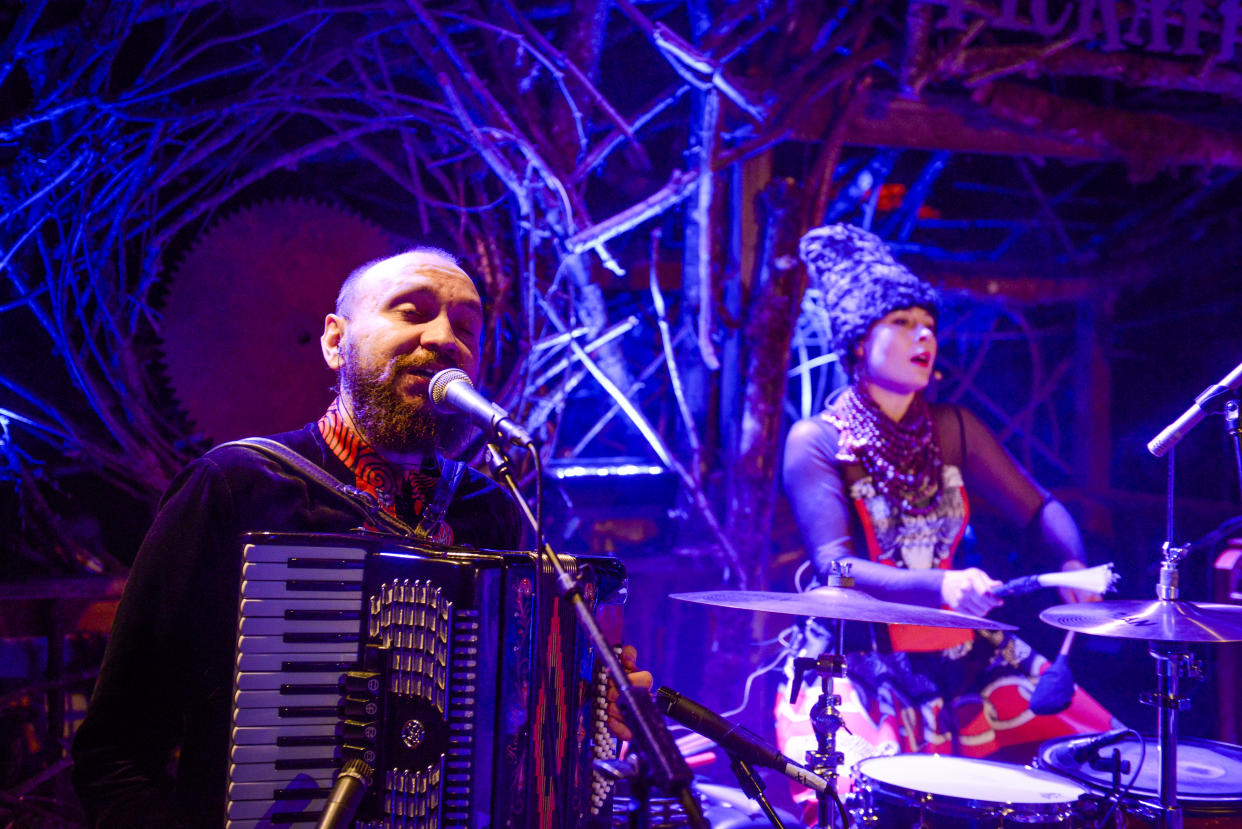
(153, 748)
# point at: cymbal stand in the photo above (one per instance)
(825, 716)
(1173, 661)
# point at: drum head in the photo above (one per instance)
(966, 779)
(1208, 772)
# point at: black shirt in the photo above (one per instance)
(166, 679)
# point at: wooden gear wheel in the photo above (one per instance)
(245, 310)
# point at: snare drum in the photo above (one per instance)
(939, 792)
(1209, 779)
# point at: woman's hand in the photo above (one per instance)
(640, 679)
(969, 591)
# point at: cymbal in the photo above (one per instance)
(1155, 620)
(847, 603)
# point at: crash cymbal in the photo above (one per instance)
(1156, 620)
(847, 603)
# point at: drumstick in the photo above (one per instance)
(1098, 579)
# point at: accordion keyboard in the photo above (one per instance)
(419, 662)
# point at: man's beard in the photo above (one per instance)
(389, 421)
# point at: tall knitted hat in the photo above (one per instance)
(860, 282)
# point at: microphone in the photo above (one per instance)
(735, 740)
(1177, 430)
(452, 392)
(351, 784)
(1087, 748)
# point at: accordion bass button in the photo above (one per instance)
(413, 733)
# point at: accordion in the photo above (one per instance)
(474, 704)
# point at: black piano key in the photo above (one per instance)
(324, 563)
(316, 667)
(316, 711)
(289, 688)
(300, 793)
(342, 586)
(309, 741)
(319, 637)
(306, 763)
(313, 615)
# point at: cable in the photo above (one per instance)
(1124, 793)
(750, 680)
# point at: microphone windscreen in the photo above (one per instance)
(440, 382)
(1055, 688)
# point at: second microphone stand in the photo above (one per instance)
(664, 764)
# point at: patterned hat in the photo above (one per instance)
(860, 282)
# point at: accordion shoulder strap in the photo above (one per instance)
(363, 502)
(450, 475)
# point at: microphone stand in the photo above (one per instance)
(1235, 432)
(663, 761)
(753, 786)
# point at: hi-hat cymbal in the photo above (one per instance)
(847, 603)
(1156, 620)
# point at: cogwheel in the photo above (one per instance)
(245, 310)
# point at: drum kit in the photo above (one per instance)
(1179, 782)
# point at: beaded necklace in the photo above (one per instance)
(903, 459)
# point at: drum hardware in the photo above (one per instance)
(937, 791)
(1209, 775)
(838, 601)
(753, 785)
(742, 747)
(1172, 659)
(725, 807)
(826, 718)
(1115, 767)
(1169, 624)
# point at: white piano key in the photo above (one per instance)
(275, 699)
(265, 589)
(269, 774)
(272, 753)
(266, 790)
(273, 626)
(268, 735)
(275, 552)
(273, 571)
(277, 644)
(275, 661)
(258, 809)
(273, 680)
(277, 607)
(248, 717)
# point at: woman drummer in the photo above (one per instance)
(879, 481)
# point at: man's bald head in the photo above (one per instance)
(348, 293)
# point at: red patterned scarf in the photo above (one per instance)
(401, 491)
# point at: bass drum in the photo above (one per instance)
(1209, 779)
(935, 791)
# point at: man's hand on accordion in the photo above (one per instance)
(640, 679)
